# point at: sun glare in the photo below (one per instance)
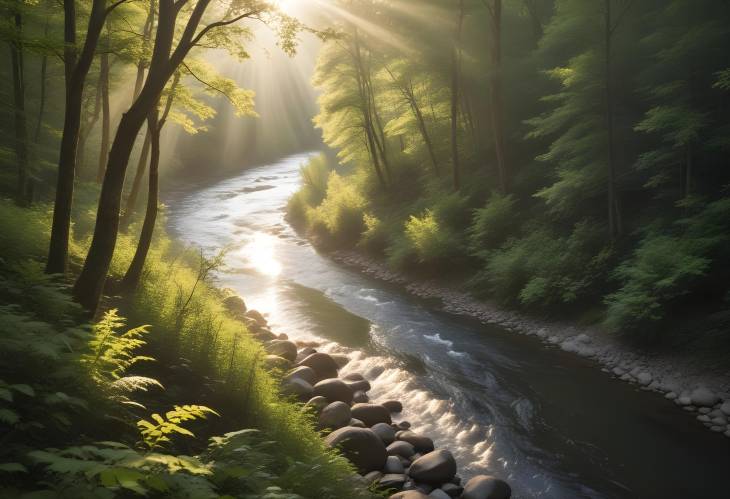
(261, 255)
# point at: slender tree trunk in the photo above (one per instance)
(90, 283)
(134, 272)
(131, 204)
(154, 125)
(76, 71)
(21, 132)
(424, 131)
(611, 194)
(42, 103)
(495, 92)
(105, 116)
(455, 70)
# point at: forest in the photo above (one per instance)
(568, 157)
(184, 185)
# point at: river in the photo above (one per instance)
(551, 423)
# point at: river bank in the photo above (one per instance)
(697, 384)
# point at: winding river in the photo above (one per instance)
(549, 422)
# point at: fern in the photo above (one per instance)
(155, 434)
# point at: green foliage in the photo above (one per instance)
(493, 224)
(314, 175)
(665, 267)
(340, 214)
(156, 434)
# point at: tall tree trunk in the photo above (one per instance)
(142, 63)
(613, 212)
(495, 92)
(21, 132)
(131, 204)
(42, 98)
(134, 272)
(90, 283)
(154, 125)
(105, 115)
(76, 71)
(367, 116)
(455, 77)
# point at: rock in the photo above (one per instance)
(359, 397)
(357, 423)
(486, 487)
(316, 404)
(371, 414)
(409, 494)
(423, 487)
(235, 305)
(353, 377)
(434, 468)
(256, 316)
(618, 371)
(334, 389)
(644, 378)
(322, 364)
(719, 420)
(335, 416)
(404, 425)
(392, 481)
(725, 408)
(439, 494)
(302, 372)
(671, 396)
(283, 348)
(361, 446)
(272, 362)
(283, 336)
(385, 432)
(420, 443)
(304, 353)
(359, 386)
(703, 397)
(703, 418)
(373, 477)
(340, 360)
(264, 335)
(704, 410)
(452, 489)
(393, 406)
(400, 448)
(298, 388)
(393, 465)
(683, 400)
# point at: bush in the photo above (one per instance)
(492, 224)
(340, 215)
(543, 269)
(314, 176)
(665, 267)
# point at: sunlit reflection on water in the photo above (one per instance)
(260, 253)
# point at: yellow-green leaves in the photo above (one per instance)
(157, 433)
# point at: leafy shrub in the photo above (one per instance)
(314, 176)
(543, 269)
(340, 215)
(665, 267)
(492, 224)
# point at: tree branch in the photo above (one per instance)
(209, 85)
(220, 24)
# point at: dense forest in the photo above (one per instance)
(568, 157)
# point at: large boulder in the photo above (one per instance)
(361, 385)
(256, 317)
(323, 365)
(434, 468)
(316, 404)
(371, 414)
(334, 389)
(335, 416)
(272, 362)
(298, 388)
(393, 465)
(393, 405)
(400, 448)
(409, 494)
(385, 432)
(392, 481)
(422, 444)
(361, 446)
(302, 372)
(283, 348)
(235, 305)
(486, 487)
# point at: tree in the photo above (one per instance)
(455, 84)
(18, 75)
(496, 102)
(77, 66)
(167, 56)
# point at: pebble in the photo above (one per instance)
(726, 408)
(644, 378)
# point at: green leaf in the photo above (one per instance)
(9, 417)
(13, 468)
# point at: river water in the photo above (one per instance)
(550, 423)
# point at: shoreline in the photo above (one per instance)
(688, 381)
